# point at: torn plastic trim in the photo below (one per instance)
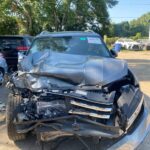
(49, 135)
(82, 127)
(129, 105)
(67, 92)
(90, 114)
(134, 139)
(80, 97)
(135, 114)
(108, 109)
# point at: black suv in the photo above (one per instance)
(10, 45)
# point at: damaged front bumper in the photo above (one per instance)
(71, 125)
(137, 126)
(133, 139)
(52, 129)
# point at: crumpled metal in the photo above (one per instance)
(51, 69)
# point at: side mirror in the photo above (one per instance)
(114, 53)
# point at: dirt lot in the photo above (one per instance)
(139, 62)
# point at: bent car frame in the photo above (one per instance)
(70, 84)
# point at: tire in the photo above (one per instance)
(135, 47)
(13, 102)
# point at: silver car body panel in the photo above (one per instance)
(45, 69)
(133, 140)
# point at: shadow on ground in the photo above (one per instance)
(69, 143)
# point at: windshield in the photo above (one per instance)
(71, 45)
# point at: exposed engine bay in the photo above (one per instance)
(50, 105)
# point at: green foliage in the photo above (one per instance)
(8, 26)
(33, 16)
(110, 41)
(137, 36)
(122, 29)
(105, 38)
(139, 26)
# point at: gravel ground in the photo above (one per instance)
(139, 62)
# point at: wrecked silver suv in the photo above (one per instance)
(70, 84)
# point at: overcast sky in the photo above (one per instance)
(127, 10)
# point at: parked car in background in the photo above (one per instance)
(10, 45)
(125, 43)
(129, 44)
(145, 43)
(135, 46)
(3, 68)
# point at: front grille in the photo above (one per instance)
(90, 109)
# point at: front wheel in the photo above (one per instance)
(13, 102)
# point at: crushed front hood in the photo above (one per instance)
(47, 68)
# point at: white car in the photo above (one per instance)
(124, 42)
(145, 43)
(135, 46)
(129, 44)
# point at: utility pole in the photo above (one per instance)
(149, 29)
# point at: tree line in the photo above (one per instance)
(137, 27)
(34, 16)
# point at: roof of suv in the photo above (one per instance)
(67, 33)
